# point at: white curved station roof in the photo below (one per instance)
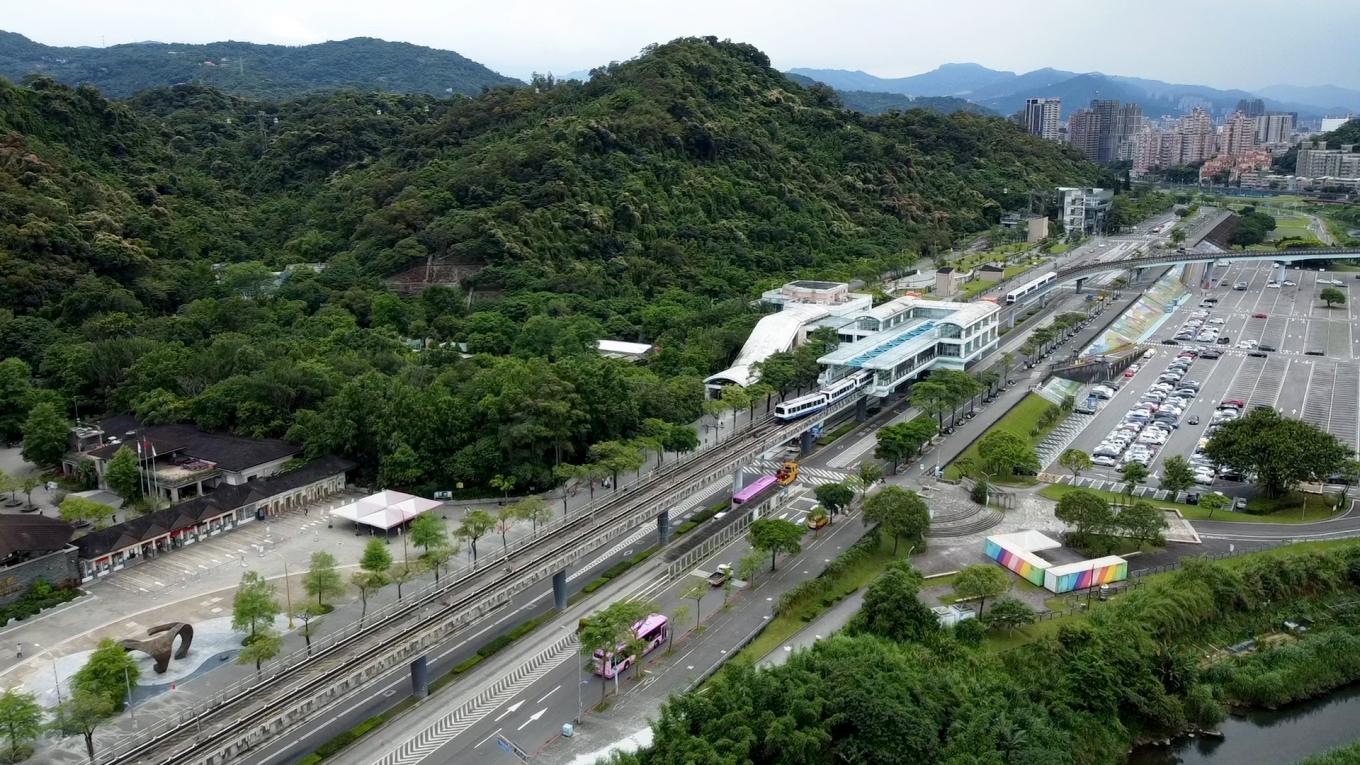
(772, 334)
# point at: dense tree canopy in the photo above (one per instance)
(1277, 451)
(189, 256)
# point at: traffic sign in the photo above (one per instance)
(509, 747)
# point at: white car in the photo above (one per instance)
(1288, 283)
(1273, 286)
(1204, 479)
(1218, 320)
(1248, 344)
(1105, 460)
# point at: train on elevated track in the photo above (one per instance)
(798, 408)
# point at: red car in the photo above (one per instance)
(1258, 316)
(1233, 402)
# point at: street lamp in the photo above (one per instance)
(56, 679)
(288, 592)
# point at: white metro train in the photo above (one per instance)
(1030, 286)
(802, 406)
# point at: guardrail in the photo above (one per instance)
(347, 659)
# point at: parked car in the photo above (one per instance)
(1104, 460)
(1265, 347)
(1240, 504)
(1259, 315)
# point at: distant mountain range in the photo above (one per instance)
(1005, 92)
(878, 102)
(249, 69)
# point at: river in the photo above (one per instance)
(1268, 737)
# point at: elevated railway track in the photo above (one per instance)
(304, 685)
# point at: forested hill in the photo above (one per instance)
(140, 242)
(250, 69)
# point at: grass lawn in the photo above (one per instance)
(1020, 420)
(1059, 248)
(1289, 512)
(1002, 641)
(786, 625)
(1292, 225)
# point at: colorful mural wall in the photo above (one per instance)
(1092, 573)
(1142, 318)
(1012, 560)
(1016, 551)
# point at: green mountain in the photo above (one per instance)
(146, 245)
(248, 69)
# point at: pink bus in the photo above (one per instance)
(755, 489)
(652, 629)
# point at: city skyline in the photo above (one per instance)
(518, 37)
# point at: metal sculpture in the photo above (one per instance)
(158, 647)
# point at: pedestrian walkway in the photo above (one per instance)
(1062, 436)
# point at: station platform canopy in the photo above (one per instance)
(385, 510)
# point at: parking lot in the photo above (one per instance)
(1279, 347)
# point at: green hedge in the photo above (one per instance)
(828, 438)
(40, 596)
(704, 515)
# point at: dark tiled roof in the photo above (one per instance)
(223, 499)
(308, 473)
(32, 534)
(228, 452)
(989, 267)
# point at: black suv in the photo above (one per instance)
(1264, 347)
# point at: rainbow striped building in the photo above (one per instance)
(1017, 552)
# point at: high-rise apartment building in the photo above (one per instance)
(1252, 107)
(1275, 128)
(1239, 136)
(1197, 137)
(1043, 117)
(1103, 130)
(1083, 132)
(1317, 161)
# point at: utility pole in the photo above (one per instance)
(288, 593)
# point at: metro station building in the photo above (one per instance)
(903, 338)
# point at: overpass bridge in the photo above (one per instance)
(1080, 273)
(306, 685)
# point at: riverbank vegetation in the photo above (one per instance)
(897, 688)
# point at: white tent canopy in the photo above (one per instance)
(385, 510)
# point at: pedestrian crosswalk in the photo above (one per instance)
(807, 475)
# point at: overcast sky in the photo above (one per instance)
(1223, 43)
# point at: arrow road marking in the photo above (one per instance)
(533, 718)
(512, 708)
